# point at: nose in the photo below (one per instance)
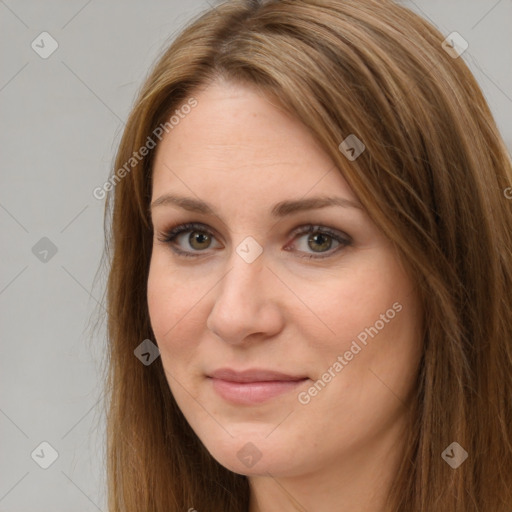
(246, 303)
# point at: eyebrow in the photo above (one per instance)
(280, 209)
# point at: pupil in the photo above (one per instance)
(318, 239)
(199, 238)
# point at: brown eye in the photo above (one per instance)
(319, 242)
(193, 238)
(199, 240)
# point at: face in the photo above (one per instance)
(288, 329)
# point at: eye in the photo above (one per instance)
(199, 238)
(319, 239)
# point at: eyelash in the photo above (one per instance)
(169, 236)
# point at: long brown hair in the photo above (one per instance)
(432, 177)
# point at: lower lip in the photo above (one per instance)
(247, 393)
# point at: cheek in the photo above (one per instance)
(380, 345)
(341, 308)
(173, 307)
(160, 296)
(374, 324)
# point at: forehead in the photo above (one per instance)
(240, 143)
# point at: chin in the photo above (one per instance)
(253, 455)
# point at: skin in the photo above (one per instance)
(240, 152)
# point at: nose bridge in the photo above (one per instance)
(244, 277)
(242, 304)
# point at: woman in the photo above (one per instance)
(309, 220)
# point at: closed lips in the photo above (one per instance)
(252, 387)
(256, 375)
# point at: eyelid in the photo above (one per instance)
(340, 237)
(169, 235)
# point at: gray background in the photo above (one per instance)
(62, 118)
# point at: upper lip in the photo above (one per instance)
(254, 375)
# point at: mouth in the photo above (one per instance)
(252, 386)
